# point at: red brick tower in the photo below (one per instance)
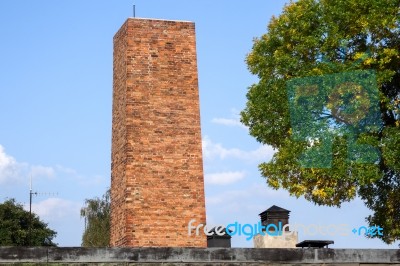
(157, 183)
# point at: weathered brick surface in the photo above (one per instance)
(157, 170)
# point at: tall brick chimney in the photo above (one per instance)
(157, 183)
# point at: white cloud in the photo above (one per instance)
(12, 171)
(55, 209)
(245, 195)
(62, 214)
(82, 180)
(9, 168)
(95, 180)
(212, 150)
(228, 122)
(232, 122)
(227, 197)
(66, 170)
(224, 178)
(41, 171)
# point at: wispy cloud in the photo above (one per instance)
(245, 195)
(234, 121)
(82, 180)
(216, 150)
(14, 172)
(224, 178)
(228, 122)
(42, 171)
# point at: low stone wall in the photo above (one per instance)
(198, 256)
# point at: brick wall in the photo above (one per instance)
(157, 182)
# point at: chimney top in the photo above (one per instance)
(274, 209)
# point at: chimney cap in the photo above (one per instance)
(274, 208)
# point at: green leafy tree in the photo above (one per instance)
(97, 222)
(325, 69)
(15, 227)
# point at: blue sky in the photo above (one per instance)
(55, 111)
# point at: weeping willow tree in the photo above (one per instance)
(97, 221)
